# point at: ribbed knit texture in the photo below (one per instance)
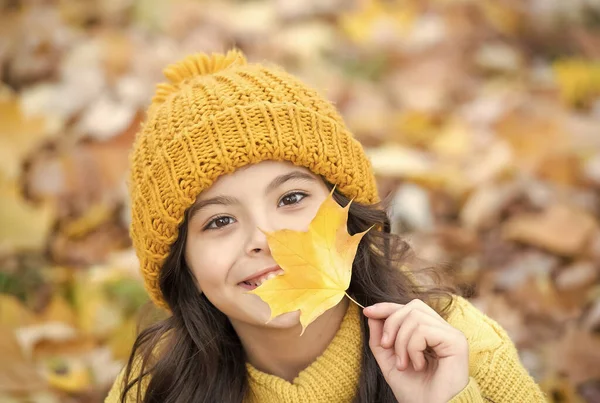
(496, 374)
(216, 114)
(337, 367)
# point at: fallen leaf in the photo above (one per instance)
(13, 313)
(317, 265)
(503, 16)
(576, 354)
(560, 389)
(70, 375)
(560, 229)
(29, 336)
(97, 315)
(538, 297)
(59, 310)
(24, 226)
(453, 141)
(17, 373)
(378, 22)
(576, 276)
(415, 127)
(20, 134)
(578, 80)
(95, 216)
(122, 339)
(484, 206)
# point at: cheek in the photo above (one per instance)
(209, 262)
(301, 220)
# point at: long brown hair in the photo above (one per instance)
(194, 355)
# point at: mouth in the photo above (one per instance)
(260, 277)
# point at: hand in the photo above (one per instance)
(422, 357)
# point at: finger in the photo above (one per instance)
(384, 309)
(417, 344)
(422, 306)
(381, 310)
(375, 332)
(401, 343)
(395, 321)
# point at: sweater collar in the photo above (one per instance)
(332, 377)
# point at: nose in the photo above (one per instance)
(257, 243)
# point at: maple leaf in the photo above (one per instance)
(317, 265)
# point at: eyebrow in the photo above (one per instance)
(228, 200)
(281, 179)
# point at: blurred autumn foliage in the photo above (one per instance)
(482, 119)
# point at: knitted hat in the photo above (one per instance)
(219, 113)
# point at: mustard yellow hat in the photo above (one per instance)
(216, 114)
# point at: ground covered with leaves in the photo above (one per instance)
(482, 119)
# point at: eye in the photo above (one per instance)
(219, 222)
(291, 198)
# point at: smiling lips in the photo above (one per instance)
(255, 281)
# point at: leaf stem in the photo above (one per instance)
(353, 300)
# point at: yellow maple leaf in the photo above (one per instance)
(317, 265)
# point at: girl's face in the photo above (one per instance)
(225, 247)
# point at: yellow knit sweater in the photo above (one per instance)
(496, 374)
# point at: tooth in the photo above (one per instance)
(270, 276)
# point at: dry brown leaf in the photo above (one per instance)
(428, 83)
(503, 16)
(534, 134)
(560, 229)
(537, 297)
(577, 276)
(576, 354)
(29, 336)
(483, 207)
(68, 347)
(17, 374)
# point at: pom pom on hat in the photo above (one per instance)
(195, 65)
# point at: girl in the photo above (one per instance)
(230, 147)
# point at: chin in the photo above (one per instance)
(285, 321)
